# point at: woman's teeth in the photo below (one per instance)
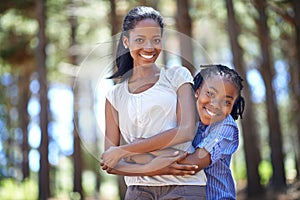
(147, 56)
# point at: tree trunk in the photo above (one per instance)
(184, 27)
(24, 95)
(249, 127)
(296, 79)
(44, 187)
(267, 71)
(115, 19)
(115, 28)
(77, 155)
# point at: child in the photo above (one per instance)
(219, 102)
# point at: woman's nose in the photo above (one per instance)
(148, 45)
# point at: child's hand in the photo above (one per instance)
(111, 157)
(167, 164)
(162, 161)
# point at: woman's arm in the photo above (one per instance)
(145, 158)
(165, 164)
(183, 132)
(161, 165)
(112, 131)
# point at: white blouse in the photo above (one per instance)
(150, 112)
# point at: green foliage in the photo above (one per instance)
(11, 189)
(265, 171)
(238, 166)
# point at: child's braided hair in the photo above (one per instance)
(221, 70)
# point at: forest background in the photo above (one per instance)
(55, 55)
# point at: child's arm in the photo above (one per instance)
(200, 157)
(183, 132)
(222, 138)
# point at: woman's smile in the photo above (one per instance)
(147, 56)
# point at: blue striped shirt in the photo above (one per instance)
(221, 140)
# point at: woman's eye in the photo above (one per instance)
(156, 41)
(139, 40)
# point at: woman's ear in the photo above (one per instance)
(125, 42)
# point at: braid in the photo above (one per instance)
(231, 75)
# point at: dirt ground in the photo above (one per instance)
(292, 192)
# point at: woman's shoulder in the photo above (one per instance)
(178, 75)
(115, 89)
(177, 69)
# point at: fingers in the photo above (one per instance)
(184, 166)
(182, 172)
(105, 167)
(109, 162)
(182, 157)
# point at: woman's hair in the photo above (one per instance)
(231, 75)
(124, 61)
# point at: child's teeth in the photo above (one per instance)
(210, 113)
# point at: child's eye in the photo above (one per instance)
(210, 93)
(227, 103)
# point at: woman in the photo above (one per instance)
(148, 103)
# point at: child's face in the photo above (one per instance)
(215, 99)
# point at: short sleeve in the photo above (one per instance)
(178, 76)
(111, 97)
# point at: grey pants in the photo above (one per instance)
(178, 192)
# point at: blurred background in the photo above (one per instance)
(55, 56)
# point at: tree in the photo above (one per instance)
(296, 77)
(16, 52)
(184, 27)
(23, 85)
(267, 71)
(77, 155)
(251, 149)
(44, 186)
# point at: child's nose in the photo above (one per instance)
(216, 103)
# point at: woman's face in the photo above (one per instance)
(215, 99)
(144, 42)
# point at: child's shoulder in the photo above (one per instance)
(228, 122)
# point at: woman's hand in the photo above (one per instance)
(112, 156)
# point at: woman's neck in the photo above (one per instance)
(143, 78)
(146, 71)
